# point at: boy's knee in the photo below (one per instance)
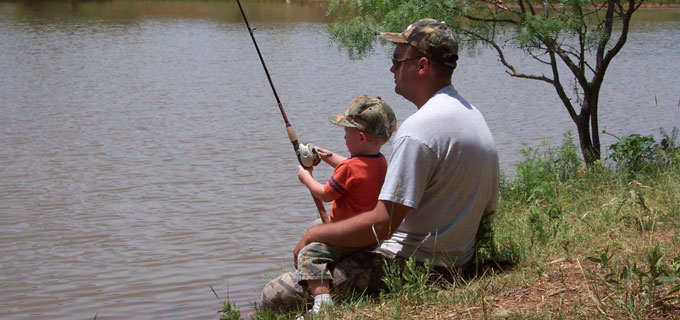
(283, 293)
(315, 253)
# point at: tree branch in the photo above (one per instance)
(537, 58)
(499, 5)
(512, 71)
(573, 51)
(607, 32)
(603, 62)
(493, 20)
(582, 32)
(580, 76)
(560, 89)
(531, 7)
(521, 7)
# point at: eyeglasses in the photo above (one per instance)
(397, 61)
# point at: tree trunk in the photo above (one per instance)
(586, 124)
(595, 134)
(583, 127)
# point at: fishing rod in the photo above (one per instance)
(308, 151)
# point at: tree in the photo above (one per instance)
(583, 36)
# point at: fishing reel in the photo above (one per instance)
(309, 155)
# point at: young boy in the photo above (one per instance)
(354, 187)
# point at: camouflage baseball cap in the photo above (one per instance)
(432, 38)
(369, 114)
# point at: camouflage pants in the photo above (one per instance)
(315, 260)
(358, 272)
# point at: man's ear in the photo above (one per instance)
(423, 65)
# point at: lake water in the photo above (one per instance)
(143, 159)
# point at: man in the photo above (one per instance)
(442, 177)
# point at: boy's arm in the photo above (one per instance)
(316, 188)
(333, 159)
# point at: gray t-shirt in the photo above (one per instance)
(444, 165)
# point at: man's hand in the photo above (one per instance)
(304, 173)
(303, 243)
(357, 231)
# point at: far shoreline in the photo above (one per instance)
(642, 6)
(540, 5)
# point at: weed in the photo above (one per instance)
(542, 169)
(544, 224)
(636, 290)
(229, 311)
(409, 278)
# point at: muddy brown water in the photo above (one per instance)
(143, 159)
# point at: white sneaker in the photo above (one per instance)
(320, 302)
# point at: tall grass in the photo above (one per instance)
(568, 241)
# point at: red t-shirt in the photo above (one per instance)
(355, 185)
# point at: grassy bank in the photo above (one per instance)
(568, 242)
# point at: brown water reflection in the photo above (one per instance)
(143, 158)
(118, 11)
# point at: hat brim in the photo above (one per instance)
(393, 37)
(340, 120)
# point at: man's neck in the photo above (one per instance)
(428, 92)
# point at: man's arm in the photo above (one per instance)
(357, 231)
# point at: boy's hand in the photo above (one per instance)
(323, 152)
(304, 173)
(332, 159)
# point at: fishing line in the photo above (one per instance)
(289, 128)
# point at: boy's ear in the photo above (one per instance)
(362, 136)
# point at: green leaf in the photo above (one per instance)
(667, 280)
(674, 290)
(596, 260)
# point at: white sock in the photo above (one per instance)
(321, 301)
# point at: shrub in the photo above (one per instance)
(632, 153)
(542, 168)
(638, 156)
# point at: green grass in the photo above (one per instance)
(568, 242)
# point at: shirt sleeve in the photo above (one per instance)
(339, 182)
(410, 168)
